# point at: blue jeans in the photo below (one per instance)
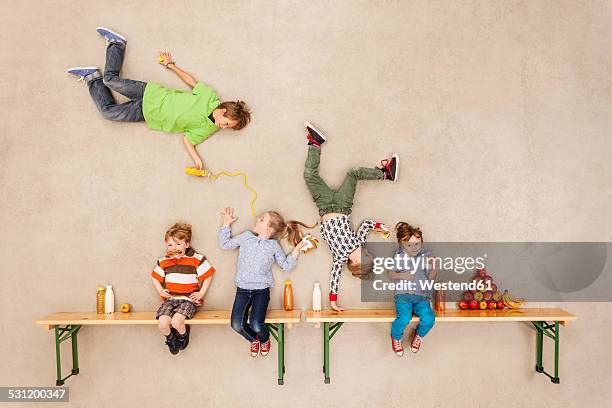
(100, 89)
(255, 300)
(405, 304)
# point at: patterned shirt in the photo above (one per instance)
(181, 276)
(339, 235)
(255, 258)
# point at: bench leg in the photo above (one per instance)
(326, 339)
(551, 331)
(329, 329)
(278, 333)
(62, 334)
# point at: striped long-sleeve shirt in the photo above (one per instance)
(342, 240)
(182, 276)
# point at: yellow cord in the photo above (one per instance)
(205, 173)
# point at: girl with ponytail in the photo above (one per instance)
(259, 249)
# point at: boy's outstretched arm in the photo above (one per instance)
(197, 161)
(167, 61)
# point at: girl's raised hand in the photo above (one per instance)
(228, 216)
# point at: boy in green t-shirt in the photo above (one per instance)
(197, 114)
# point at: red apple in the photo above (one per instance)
(501, 304)
(492, 305)
(487, 278)
(488, 295)
(467, 296)
(481, 272)
(482, 305)
(473, 305)
(463, 305)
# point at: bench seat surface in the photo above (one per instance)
(201, 317)
(450, 315)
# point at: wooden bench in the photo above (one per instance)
(66, 325)
(545, 321)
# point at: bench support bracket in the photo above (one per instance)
(277, 331)
(62, 334)
(550, 330)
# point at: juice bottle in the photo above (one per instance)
(109, 300)
(439, 304)
(288, 295)
(100, 300)
(316, 297)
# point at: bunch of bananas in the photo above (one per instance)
(511, 302)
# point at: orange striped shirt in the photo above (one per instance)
(182, 276)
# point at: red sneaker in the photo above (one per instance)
(390, 168)
(396, 345)
(416, 343)
(265, 348)
(315, 136)
(255, 348)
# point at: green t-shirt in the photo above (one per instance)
(178, 111)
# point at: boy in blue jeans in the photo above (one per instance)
(416, 299)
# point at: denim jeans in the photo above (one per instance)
(405, 304)
(255, 300)
(100, 89)
(341, 199)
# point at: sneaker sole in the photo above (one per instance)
(112, 32)
(313, 127)
(396, 156)
(75, 68)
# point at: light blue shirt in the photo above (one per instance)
(418, 274)
(255, 258)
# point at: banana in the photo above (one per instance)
(511, 302)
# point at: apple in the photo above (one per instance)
(478, 296)
(497, 296)
(492, 305)
(125, 308)
(483, 305)
(473, 305)
(463, 305)
(488, 295)
(501, 304)
(482, 272)
(493, 287)
(487, 278)
(467, 296)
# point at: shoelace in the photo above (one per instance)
(416, 342)
(255, 346)
(385, 164)
(265, 346)
(397, 345)
(82, 79)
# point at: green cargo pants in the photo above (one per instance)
(340, 200)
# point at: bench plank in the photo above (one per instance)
(148, 317)
(450, 315)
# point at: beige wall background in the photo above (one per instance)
(500, 111)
